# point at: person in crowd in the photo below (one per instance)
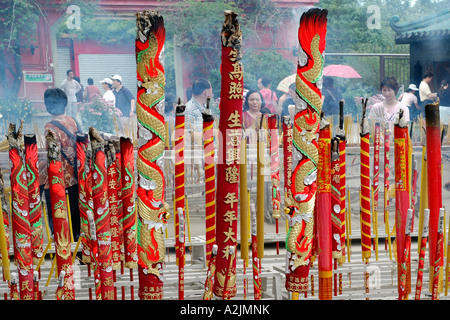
(425, 94)
(91, 92)
(287, 99)
(251, 115)
(409, 99)
(66, 129)
(125, 100)
(387, 110)
(444, 94)
(70, 86)
(269, 96)
(108, 96)
(201, 91)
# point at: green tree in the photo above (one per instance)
(18, 24)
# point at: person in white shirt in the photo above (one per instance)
(387, 110)
(410, 100)
(108, 96)
(201, 90)
(70, 86)
(425, 94)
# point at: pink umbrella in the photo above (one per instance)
(341, 71)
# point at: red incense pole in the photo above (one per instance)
(402, 201)
(59, 215)
(434, 178)
(324, 225)
(101, 213)
(210, 180)
(34, 200)
(151, 206)
(20, 213)
(227, 195)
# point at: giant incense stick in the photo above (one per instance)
(335, 208)
(402, 201)
(434, 178)
(210, 180)
(151, 207)
(37, 234)
(323, 210)
(308, 104)
(128, 187)
(365, 187)
(179, 193)
(112, 147)
(376, 183)
(101, 213)
(227, 195)
(20, 213)
(84, 196)
(386, 187)
(59, 215)
(340, 134)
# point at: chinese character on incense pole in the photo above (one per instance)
(112, 148)
(151, 207)
(434, 178)
(228, 157)
(59, 214)
(20, 213)
(422, 248)
(336, 226)
(308, 106)
(323, 211)
(402, 188)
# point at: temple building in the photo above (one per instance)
(429, 42)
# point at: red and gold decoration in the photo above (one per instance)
(365, 186)
(179, 195)
(227, 195)
(100, 199)
(324, 212)
(300, 206)
(376, 183)
(287, 156)
(128, 204)
(439, 257)
(21, 227)
(151, 207)
(210, 180)
(59, 208)
(340, 134)
(84, 195)
(112, 148)
(402, 187)
(386, 188)
(209, 283)
(422, 248)
(34, 200)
